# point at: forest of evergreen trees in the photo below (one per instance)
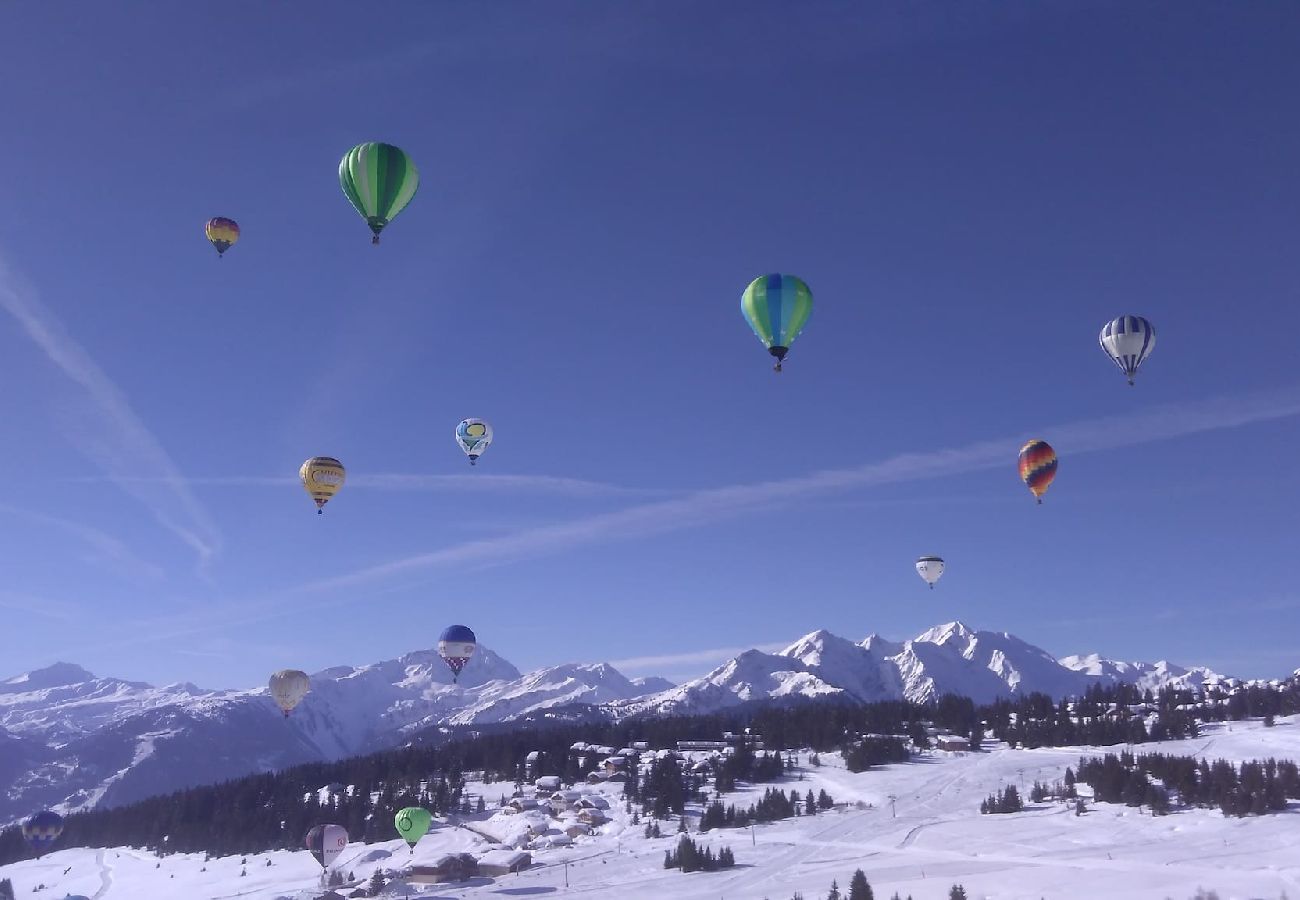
(1006, 800)
(274, 810)
(691, 857)
(1253, 788)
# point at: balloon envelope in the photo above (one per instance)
(1037, 466)
(42, 830)
(413, 823)
(456, 645)
(930, 568)
(326, 842)
(777, 308)
(322, 477)
(1128, 341)
(288, 687)
(222, 232)
(379, 180)
(473, 436)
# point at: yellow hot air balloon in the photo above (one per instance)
(288, 687)
(322, 476)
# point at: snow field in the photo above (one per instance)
(934, 837)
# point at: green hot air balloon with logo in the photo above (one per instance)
(379, 180)
(413, 823)
(777, 308)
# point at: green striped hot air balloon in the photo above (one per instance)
(776, 307)
(380, 180)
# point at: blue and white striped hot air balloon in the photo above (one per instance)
(1128, 341)
(42, 830)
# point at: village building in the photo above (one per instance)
(451, 867)
(495, 863)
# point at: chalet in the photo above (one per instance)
(550, 841)
(496, 863)
(951, 742)
(548, 783)
(614, 764)
(451, 867)
(592, 817)
(532, 764)
(701, 745)
(521, 804)
(640, 746)
(597, 777)
(577, 829)
(593, 801)
(562, 800)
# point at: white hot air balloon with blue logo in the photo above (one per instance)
(930, 568)
(1128, 341)
(473, 436)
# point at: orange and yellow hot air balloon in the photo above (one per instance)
(223, 233)
(1037, 466)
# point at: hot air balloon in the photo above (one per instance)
(42, 830)
(326, 842)
(380, 180)
(777, 308)
(930, 568)
(456, 646)
(413, 823)
(473, 436)
(1128, 341)
(322, 476)
(1037, 466)
(222, 232)
(288, 687)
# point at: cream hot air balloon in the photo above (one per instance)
(322, 477)
(288, 687)
(326, 842)
(930, 568)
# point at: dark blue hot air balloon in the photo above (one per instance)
(456, 646)
(42, 830)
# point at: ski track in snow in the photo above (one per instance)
(105, 875)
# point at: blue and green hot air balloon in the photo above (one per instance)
(777, 308)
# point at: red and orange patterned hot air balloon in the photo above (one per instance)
(1037, 466)
(223, 233)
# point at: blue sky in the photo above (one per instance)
(970, 191)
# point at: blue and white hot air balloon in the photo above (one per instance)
(1128, 341)
(42, 830)
(456, 645)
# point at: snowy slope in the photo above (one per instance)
(931, 837)
(950, 658)
(1144, 675)
(71, 740)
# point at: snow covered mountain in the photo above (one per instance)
(70, 739)
(951, 658)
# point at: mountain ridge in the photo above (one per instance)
(75, 740)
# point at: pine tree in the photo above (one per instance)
(859, 889)
(835, 891)
(810, 803)
(957, 893)
(376, 886)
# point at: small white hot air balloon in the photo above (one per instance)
(1128, 341)
(473, 436)
(288, 687)
(930, 568)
